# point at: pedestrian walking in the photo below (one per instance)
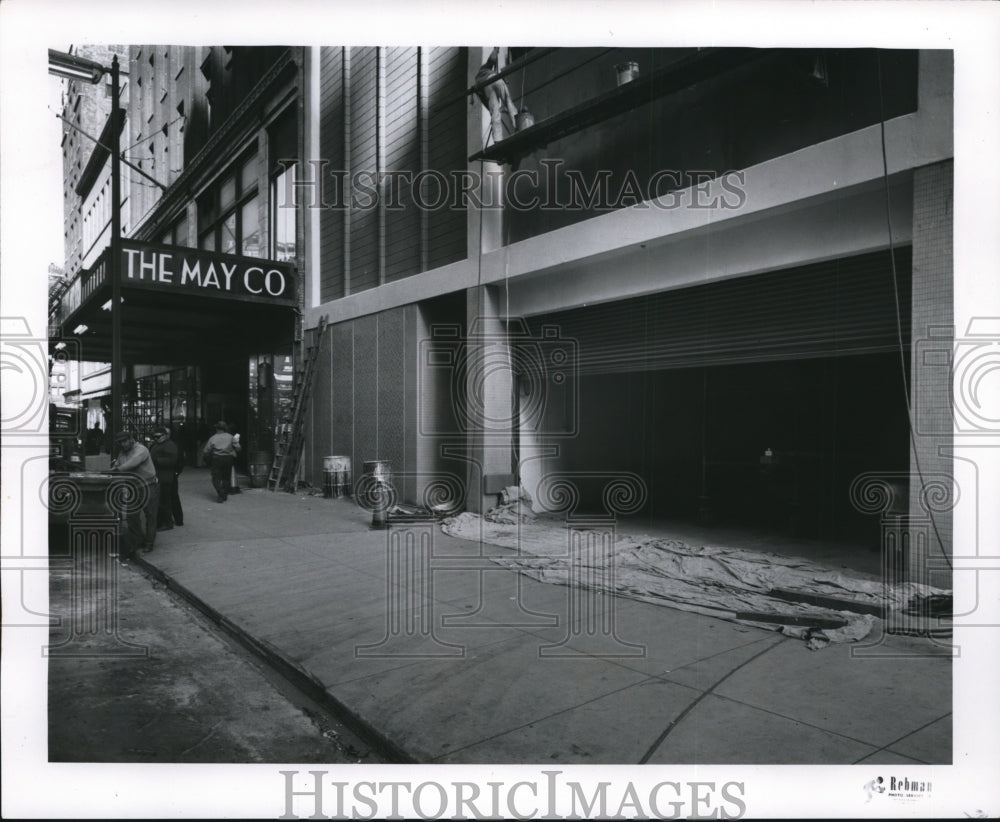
(220, 451)
(140, 520)
(167, 459)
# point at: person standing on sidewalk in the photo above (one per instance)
(221, 451)
(134, 458)
(175, 503)
(167, 459)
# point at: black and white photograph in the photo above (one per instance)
(601, 424)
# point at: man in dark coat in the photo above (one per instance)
(167, 459)
(95, 440)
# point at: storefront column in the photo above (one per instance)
(488, 412)
(933, 338)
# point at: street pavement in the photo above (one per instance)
(152, 681)
(440, 655)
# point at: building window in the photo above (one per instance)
(177, 234)
(283, 213)
(228, 213)
(281, 197)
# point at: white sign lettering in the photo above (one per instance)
(194, 270)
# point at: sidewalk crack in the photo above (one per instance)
(681, 716)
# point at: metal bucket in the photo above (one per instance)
(627, 72)
(344, 472)
(336, 476)
(329, 477)
(525, 119)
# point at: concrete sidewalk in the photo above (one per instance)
(446, 657)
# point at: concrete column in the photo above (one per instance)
(932, 340)
(488, 403)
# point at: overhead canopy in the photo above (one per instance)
(179, 304)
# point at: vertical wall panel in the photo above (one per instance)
(365, 366)
(447, 113)
(361, 403)
(933, 337)
(341, 408)
(409, 138)
(402, 154)
(410, 398)
(331, 138)
(364, 169)
(320, 429)
(391, 399)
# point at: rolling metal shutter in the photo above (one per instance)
(840, 307)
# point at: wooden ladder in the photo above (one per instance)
(291, 437)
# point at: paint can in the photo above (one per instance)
(337, 473)
(329, 476)
(525, 119)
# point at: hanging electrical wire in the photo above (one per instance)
(550, 80)
(899, 320)
(106, 148)
(161, 130)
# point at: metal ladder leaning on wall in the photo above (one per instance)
(288, 444)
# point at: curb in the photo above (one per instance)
(295, 675)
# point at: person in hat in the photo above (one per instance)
(140, 520)
(221, 450)
(167, 459)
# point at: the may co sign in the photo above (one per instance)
(194, 271)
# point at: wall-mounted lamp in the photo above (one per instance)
(72, 67)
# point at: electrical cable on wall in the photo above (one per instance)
(516, 459)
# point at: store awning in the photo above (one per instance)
(180, 304)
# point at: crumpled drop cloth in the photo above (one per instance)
(713, 580)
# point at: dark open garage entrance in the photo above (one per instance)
(746, 404)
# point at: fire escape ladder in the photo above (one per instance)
(291, 435)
